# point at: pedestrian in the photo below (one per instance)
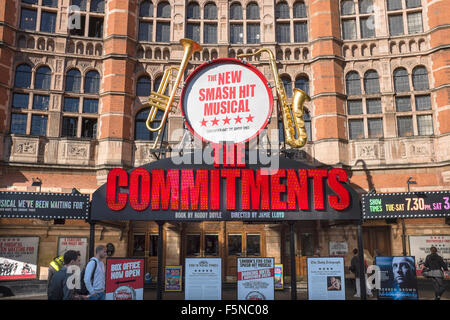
(59, 288)
(95, 267)
(55, 265)
(355, 268)
(435, 264)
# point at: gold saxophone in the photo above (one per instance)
(159, 101)
(298, 100)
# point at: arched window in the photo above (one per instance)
(299, 9)
(73, 81)
(97, 5)
(252, 11)
(146, 9)
(164, 10)
(43, 78)
(353, 83)
(210, 11)
(23, 76)
(401, 80)
(302, 83)
(156, 85)
(287, 83)
(347, 7)
(282, 11)
(143, 86)
(420, 78)
(193, 10)
(140, 130)
(371, 82)
(92, 82)
(236, 11)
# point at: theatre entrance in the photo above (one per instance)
(377, 238)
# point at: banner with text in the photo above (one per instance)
(203, 279)
(419, 247)
(18, 257)
(124, 279)
(255, 278)
(326, 278)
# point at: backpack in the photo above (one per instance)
(84, 291)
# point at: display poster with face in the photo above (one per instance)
(203, 279)
(18, 257)
(124, 279)
(419, 247)
(255, 278)
(326, 278)
(398, 278)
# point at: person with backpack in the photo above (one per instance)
(94, 275)
(355, 268)
(435, 264)
(55, 265)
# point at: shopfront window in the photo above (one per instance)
(138, 245)
(193, 245)
(307, 244)
(234, 244)
(253, 245)
(211, 244)
(153, 250)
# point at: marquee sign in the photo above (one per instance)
(406, 205)
(162, 190)
(226, 100)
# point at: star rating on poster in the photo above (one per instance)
(226, 120)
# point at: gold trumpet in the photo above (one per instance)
(159, 101)
(298, 100)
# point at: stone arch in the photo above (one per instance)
(279, 54)
(297, 54)
(205, 55)
(30, 43)
(148, 53)
(412, 46)
(422, 45)
(90, 49)
(354, 51)
(214, 54)
(305, 54)
(140, 53)
(347, 52)
(393, 47)
(373, 49)
(364, 50)
(249, 58)
(22, 42)
(197, 56)
(80, 48)
(158, 54)
(240, 51)
(402, 47)
(50, 45)
(232, 53)
(287, 54)
(98, 50)
(166, 54)
(71, 47)
(41, 44)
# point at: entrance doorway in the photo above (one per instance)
(377, 238)
(145, 245)
(239, 245)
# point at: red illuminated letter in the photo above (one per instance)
(257, 191)
(318, 175)
(144, 186)
(116, 178)
(276, 189)
(231, 175)
(342, 200)
(192, 189)
(215, 189)
(297, 190)
(167, 191)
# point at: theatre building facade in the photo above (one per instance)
(73, 106)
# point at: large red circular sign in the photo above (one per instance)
(226, 100)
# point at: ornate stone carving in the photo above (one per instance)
(368, 152)
(25, 148)
(77, 151)
(419, 150)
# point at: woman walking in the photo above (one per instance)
(435, 263)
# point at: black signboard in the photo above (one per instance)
(406, 205)
(43, 205)
(165, 190)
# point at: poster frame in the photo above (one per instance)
(181, 278)
(282, 275)
(237, 271)
(307, 273)
(80, 237)
(37, 255)
(204, 258)
(424, 235)
(121, 258)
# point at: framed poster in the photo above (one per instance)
(203, 279)
(279, 281)
(125, 279)
(398, 278)
(326, 278)
(419, 247)
(173, 278)
(74, 243)
(338, 249)
(18, 257)
(255, 279)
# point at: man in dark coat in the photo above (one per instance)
(435, 263)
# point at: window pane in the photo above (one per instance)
(282, 11)
(210, 33)
(394, 4)
(80, 3)
(138, 245)
(28, 19)
(405, 127)
(371, 82)
(252, 11)
(396, 25)
(193, 245)
(401, 80)
(373, 106)
(73, 81)
(145, 31)
(302, 83)
(20, 100)
(69, 127)
(30, 1)
(48, 22)
(143, 87)
(92, 82)
(39, 125)
(307, 244)
(210, 11)
(23, 76)
(97, 6)
(18, 123)
(300, 32)
(423, 103)
(141, 132)
(89, 128)
(367, 27)
(420, 79)
(236, 33)
(283, 32)
(403, 104)
(253, 34)
(90, 106)
(146, 9)
(41, 102)
(355, 107)
(71, 104)
(95, 27)
(43, 78)
(415, 22)
(299, 9)
(211, 244)
(348, 7)
(425, 125)
(236, 12)
(287, 83)
(164, 10)
(163, 32)
(253, 245)
(365, 6)
(353, 84)
(356, 129)
(349, 29)
(153, 252)
(74, 30)
(193, 11)
(413, 3)
(375, 127)
(193, 31)
(234, 245)
(307, 119)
